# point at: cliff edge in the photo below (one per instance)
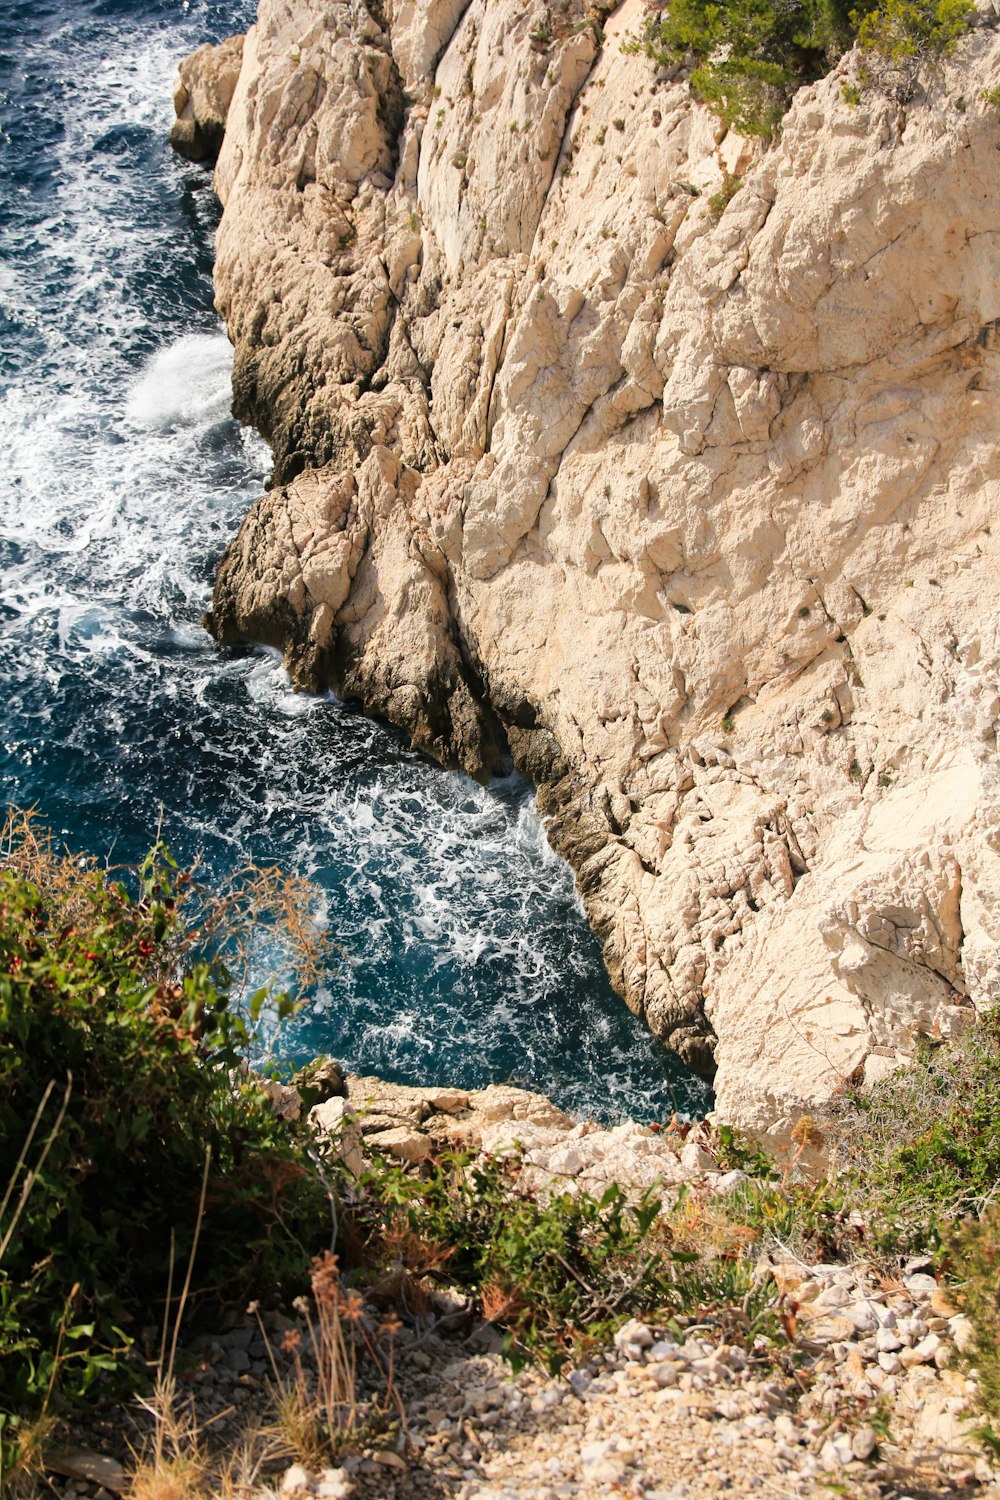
(685, 504)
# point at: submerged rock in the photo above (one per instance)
(691, 515)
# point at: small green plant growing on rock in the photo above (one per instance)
(720, 201)
(900, 36)
(991, 96)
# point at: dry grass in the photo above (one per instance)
(177, 1463)
(317, 1402)
(26, 1480)
(703, 1224)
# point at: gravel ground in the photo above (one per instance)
(875, 1404)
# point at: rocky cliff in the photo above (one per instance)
(685, 505)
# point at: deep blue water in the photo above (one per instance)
(122, 476)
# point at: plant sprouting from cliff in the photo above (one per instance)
(900, 37)
(747, 57)
(720, 201)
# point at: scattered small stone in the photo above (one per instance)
(864, 1443)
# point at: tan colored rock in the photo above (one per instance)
(285, 1100)
(202, 95)
(402, 1141)
(447, 1101)
(337, 1120)
(501, 1102)
(695, 516)
(373, 1099)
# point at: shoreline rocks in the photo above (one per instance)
(206, 82)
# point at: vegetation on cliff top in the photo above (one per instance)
(122, 1103)
(747, 58)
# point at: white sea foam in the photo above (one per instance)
(186, 383)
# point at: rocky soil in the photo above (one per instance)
(689, 509)
(868, 1394)
(687, 1417)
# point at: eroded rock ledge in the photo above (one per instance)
(691, 515)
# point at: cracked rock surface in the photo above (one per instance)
(690, 515)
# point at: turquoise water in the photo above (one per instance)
(467, 957)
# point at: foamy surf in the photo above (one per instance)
(187, 383)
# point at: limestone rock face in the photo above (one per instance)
(202, 96)
(691, 514)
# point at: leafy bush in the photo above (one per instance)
(748, 56)
(923, 1146)
(123, 1108)
(560, 1274)
(901, 36)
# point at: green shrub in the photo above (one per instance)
(899, 37)
(120, 1040)
(748, 57)
(923, 1146)
(560, 1274)
(975, 1263)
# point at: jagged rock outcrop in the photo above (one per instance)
(206, 82)
(556, 1152)
(692, 513)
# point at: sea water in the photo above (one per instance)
(465, 954)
